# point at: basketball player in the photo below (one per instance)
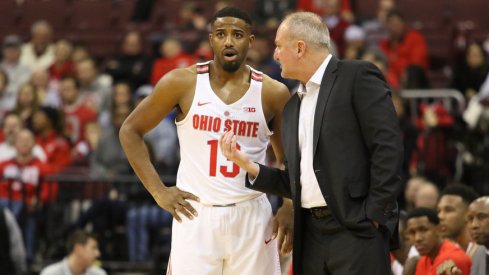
(222, 227)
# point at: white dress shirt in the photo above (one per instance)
(311, 195)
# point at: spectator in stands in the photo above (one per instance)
(4, 104)
(478, 223)
(47, 91)
(427, 196)
(80, 52)
(38, 53)
(121, 95)
(12, 124)
(172, 57)
(27, 104)
(321, 7)
(376, 29)
(76, 113)
(469, 75)
(379, 59)
(95, 88)
(62, 65)
(18, 74)
(269, 13)
(337, 25)
(412, 186)
(109, 160)
(404, 46)
(12, 251)
(437, 255)
(355, 43)
(83, 251)
(48, 125)
(191, 17)
(23, 186)
(452, 210)
(131, 64)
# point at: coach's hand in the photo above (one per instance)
(175, 201)
(283, 227)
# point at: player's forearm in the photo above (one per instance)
(138, 156)
(251, 167)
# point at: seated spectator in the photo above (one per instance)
(412, 186)
(121, 94)
(48, 126)
(47, 91)
(478, 223)
(375, 28)
(437, 255)
(172, 57)
(452, 210)
(12, 252)
(131, 64)
(27, 104)
(469, 74)
(337, 25)
(426, 196)
(63, 65)
(4, 104)
(404, 46)
(109, 160)
(95, 88)
(12, 124)
(83, 252)
(38, 53)
(18, 74)
(378, 58)
(355, 42)
(76, 113)
(23, 186)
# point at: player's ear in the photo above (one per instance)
(251, 40)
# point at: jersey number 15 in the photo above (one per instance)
(213, 162)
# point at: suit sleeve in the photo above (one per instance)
(271, 181)
(381, 134)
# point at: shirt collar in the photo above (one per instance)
(317, 77)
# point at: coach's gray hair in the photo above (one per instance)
(309, 27)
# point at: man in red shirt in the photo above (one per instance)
(22, 186)
(404, 46)
(437, 256)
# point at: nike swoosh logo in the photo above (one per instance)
(267, 241)
(202, 103)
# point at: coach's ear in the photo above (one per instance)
(301, 48)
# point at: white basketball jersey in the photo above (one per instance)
(203, 170)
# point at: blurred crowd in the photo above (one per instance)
(61, 107)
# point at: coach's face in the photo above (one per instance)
(285, 52)
(230, 40)
(478, 222)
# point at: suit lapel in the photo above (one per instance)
(290, 134)
(326, 84)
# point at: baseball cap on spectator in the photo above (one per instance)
(12, 41)
(144, 91)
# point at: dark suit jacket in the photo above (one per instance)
(357, 152)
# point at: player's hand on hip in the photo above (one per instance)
(230, 150)
(283, 227)
(175, 201)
